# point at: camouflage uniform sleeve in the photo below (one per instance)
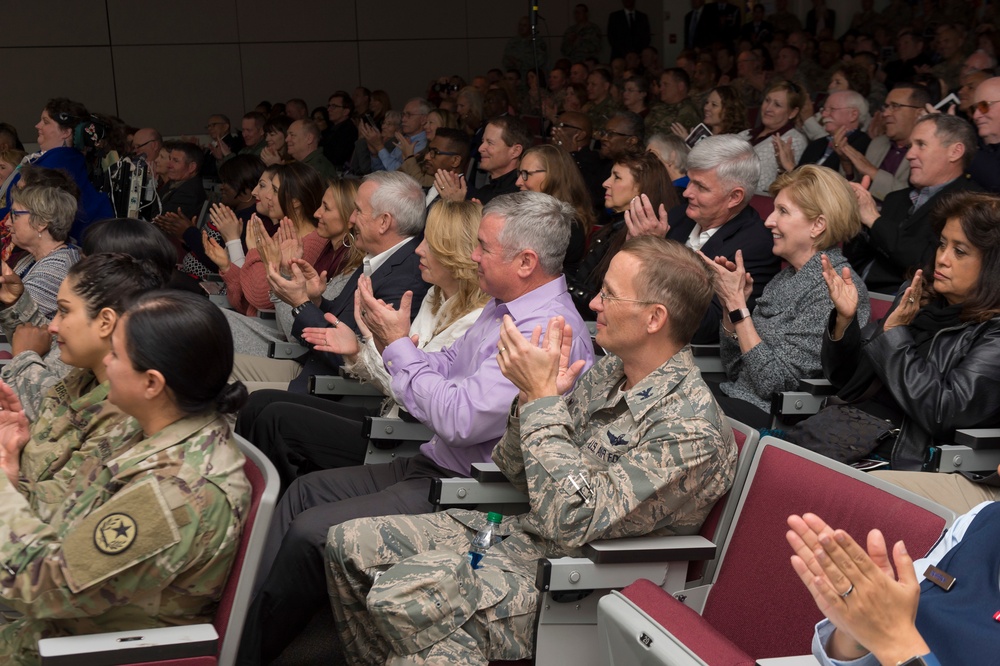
(31, 376)
(99, 557)
(589, 41)
(665, 481)
(507, 452)
(23, 311)
(689, 115)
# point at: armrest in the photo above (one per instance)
(267, 315)
(488, 472)
(286, 350)
(707, 359)
(979, 438)
(220, 301)
(962, 458)
(650, 549)
(336, 385)
(121, 647)
(465, 492)
(801, 660)
(213, 277)
(817, 387)
(706, 350)
(796, 403)
(377, 427)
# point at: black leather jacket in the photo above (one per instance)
(956, 386)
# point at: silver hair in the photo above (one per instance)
(674, 146)
(425, 106)
(51, 207)
(402, 197)
(733, 158)
(855, 100)
(534, 221)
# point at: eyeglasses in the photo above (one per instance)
(984, 106)
(832, 108)
(604, 297)
(433, 152)
(896, 106)
(562, 126)
(15, 213)
(144, 143)
(331, 105)
(524, 175)
(607, 132)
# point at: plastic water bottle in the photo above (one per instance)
(487, 537)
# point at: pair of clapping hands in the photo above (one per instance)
(537, 367)
(27, 337)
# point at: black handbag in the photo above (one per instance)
(842, 432)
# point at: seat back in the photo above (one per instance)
(763, 205)
(757, 601)
(264, 488)
(716, 525)
(880, 304)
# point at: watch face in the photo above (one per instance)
(913, 661)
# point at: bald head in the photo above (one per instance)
(988, 122)
(573, 131)
(147, 142)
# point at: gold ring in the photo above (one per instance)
(503, 349)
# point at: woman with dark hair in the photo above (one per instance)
(633, 175)
(928, 367)
(165, 484)
(60, 142)
(228, 219)
(132, 237)
(723, 113)
(275, 134)
(292, 194)
(550, 170)
(253, 336)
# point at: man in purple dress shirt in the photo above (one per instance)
(458, 392)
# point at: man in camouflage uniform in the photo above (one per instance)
(581, 40)
(143, 539)
(676, 107)
(639, 447)
(600, 105)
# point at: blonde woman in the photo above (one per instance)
(293, 429)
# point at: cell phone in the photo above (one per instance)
(368, 118)
(946, 102)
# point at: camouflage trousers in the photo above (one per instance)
(403, 592)
(19, 640)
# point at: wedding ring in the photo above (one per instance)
(909, 300)
(364, 313)
(503, 349)
(849, 590)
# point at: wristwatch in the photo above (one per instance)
(738, 315)
(913, 661)
(298, 309)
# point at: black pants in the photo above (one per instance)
(741, 410)
(291, 584)
(303, 433)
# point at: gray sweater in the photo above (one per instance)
(790, 317)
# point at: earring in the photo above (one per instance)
(349, 236)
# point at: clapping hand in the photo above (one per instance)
(406, 146)
(843, 293)
(28, 337)
(872, 609)
(783, 152)
(289, 243)
(642, 220)
(372, 136)
(218, 254)
(909, 304)
(733, 284)
(174, 224)
(338, 338)
(15, 433)
(680, 130)
(11, 286)
(450, 185)
(224, 219)
(538, 370)
(386, 323)
(866, 202)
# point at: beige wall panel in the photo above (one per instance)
(175, 22)
(406, 19)
(33, 76)
(405, 68)
(298, 20)
(312, 71)
(174, 89)
(66, 23)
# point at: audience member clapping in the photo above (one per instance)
(782, 104)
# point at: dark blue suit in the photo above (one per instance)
(744, 232)
(399, 274)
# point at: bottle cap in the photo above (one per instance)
(494, 517)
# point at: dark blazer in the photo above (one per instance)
(401, 273)
(696, 35)
(812, 20)
(899, 241)
(858, 140)
(722, 22)
(188, 196)
(744, 232)
(623, 37)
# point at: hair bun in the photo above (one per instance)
(231, 398)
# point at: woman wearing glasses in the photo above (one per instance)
(552, 171)
(772, 348)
